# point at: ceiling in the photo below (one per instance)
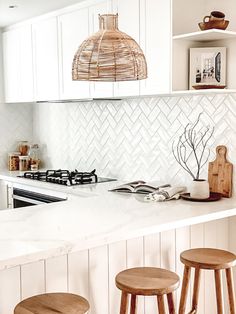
(28, 8)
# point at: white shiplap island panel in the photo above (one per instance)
(91, 272)
(81, 244)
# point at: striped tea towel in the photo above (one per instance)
(165, 194)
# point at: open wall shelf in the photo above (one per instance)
(208, 35)
(186, 35)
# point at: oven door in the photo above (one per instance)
(23, 198)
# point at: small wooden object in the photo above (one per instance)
(210, 259)
(207, 86)
(147, 281)
(213, 25)
(220, 173)
(51, 303)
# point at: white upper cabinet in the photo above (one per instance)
(45, 54)
(99, 89)
(26, 65)
(155, 40)
(128, 22)
(38, 56)
(73, 30)
(1, 70)
(11, 62)
(18, 66)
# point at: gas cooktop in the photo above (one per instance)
(65, 177)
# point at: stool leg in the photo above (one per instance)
(230, 286)
(219, 296)
(184, 291)
(161, 306)
(196, 287)
(171, 304)
(133, 306)
(124, 303)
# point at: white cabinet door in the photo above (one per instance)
(11, 61)
(26, 65)
(1, 70)
(73, 30)
(99, 89)
(3, 195)
(128, 22)
(18, 66)
(45, 53)
(155, 38)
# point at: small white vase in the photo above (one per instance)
(199, 189)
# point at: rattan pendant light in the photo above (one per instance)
(109, 55)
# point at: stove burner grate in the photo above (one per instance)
(63, 177)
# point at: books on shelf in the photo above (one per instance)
(138, 187)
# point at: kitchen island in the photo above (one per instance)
(79, 245)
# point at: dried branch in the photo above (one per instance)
(191, 146)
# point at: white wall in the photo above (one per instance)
(15, 125)
(130, 139)
(187, 15)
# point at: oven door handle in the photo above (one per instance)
(33, 197)
(27, 200)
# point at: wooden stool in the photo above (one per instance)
(147, 281)
(51, 303)
(211, 259)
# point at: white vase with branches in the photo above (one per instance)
(191, 152)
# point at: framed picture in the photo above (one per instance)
(207, 68)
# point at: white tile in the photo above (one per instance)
(131, 138)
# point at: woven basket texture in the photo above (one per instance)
(109, 55)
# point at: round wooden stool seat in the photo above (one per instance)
(51, 303)
(206, 258)
(147, 281)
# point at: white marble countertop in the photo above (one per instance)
(38, 232)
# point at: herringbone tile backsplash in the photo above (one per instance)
(15, 125)
(130, 139)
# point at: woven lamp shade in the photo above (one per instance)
(109, 55)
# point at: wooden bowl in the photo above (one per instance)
(208, 86)
(223, 24)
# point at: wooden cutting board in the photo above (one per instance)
(220, 173)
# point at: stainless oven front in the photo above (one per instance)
(23, 198)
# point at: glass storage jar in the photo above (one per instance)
(34, 157)
(23, 148)
(13, 161)
(23, 163)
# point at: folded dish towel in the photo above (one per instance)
(166, 194)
